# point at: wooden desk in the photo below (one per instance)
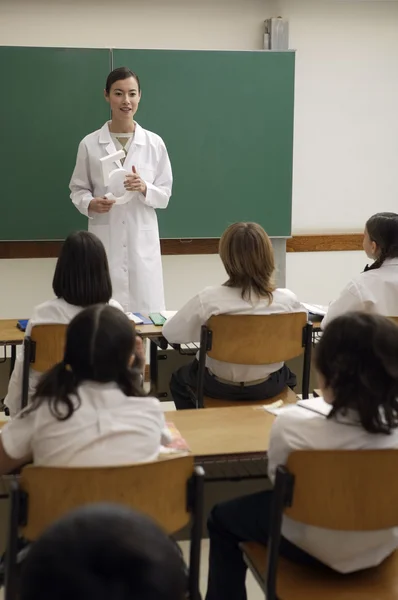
(216, 432)
(149, 331)
(10, 335)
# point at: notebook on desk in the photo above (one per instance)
(317, 405)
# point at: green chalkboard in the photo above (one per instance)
(50, 99)
(226, 118)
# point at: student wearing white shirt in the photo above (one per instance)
(90, 409)
(376, 289)
(247, 254)
(356, 360)
(81, 279)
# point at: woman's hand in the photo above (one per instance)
(134, 183)
(101, 205)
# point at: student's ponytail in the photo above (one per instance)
(56, 388)
(382, 229)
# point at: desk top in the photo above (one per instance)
(221, 431)
(9, 333)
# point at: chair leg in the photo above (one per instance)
(196, 505)
(11, 574)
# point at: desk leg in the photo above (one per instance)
(13, 358)
(153, 364)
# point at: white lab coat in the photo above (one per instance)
(129, 231)
(374, 291)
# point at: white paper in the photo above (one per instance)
(316, 309)
(317, 405)
(167, 314)
(132, 317)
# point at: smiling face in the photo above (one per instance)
(124, 98)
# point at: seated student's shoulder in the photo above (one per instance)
(56, 310)
(288, 299)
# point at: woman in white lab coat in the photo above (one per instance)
(376, 289)
(128, 231)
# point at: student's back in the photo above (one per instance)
(374, 291)
(81, 279)
(90, 409)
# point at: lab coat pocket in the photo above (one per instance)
(146, 173)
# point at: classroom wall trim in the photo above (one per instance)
(338, 242)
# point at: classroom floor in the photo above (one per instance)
(253, 589)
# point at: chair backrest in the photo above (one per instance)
(352, 490)
(158, 489)
(257, 339)
(49, 345)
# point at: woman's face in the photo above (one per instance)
(124, 98)
(369, 246)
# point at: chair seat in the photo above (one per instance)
(296, 582)
(287, 395)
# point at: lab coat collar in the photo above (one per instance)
(106, 138)
(390, 261)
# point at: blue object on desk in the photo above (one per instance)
(145, 320)
(22, 324)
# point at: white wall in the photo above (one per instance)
(346, 123)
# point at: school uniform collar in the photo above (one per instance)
(389, 262)
(106, 138)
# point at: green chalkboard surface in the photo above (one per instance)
(51, 99)
(226, 119)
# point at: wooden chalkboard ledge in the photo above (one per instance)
(298, 243)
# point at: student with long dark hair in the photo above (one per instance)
(376, 289)
(81, 279)
(356, 360)
(103, 552)
(89, 409)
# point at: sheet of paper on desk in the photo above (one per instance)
(167, 314)
(317, 405)
(316, 309)
(134, 318)
(277, 410)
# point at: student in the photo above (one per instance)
(376, 289)
(358, 373)
(81, 278)
(103, 552)
(247, 255)
(90, 409)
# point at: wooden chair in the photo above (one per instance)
(168, 491)
(42, 350)
(254, 340)
(339, 490)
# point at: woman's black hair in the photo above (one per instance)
(103, 552)
(100, 342)
(82, 274)
(357, 357)
(118, 74)
(382, 229)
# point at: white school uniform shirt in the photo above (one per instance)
(374, 291)
(56, 311)
(108, 429)
(185, 326)
(298, 429)
(128, 231)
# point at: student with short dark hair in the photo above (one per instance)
(89, 409)
(103, 552)
(81, 279)
(247, 255)
(356, 360)
(376, 289)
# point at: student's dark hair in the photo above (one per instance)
(382, 229)
(100, 342)
(103, 552)
(82, 276)
(357, 357)
(118, 74)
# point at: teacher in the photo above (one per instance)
(128, 231)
